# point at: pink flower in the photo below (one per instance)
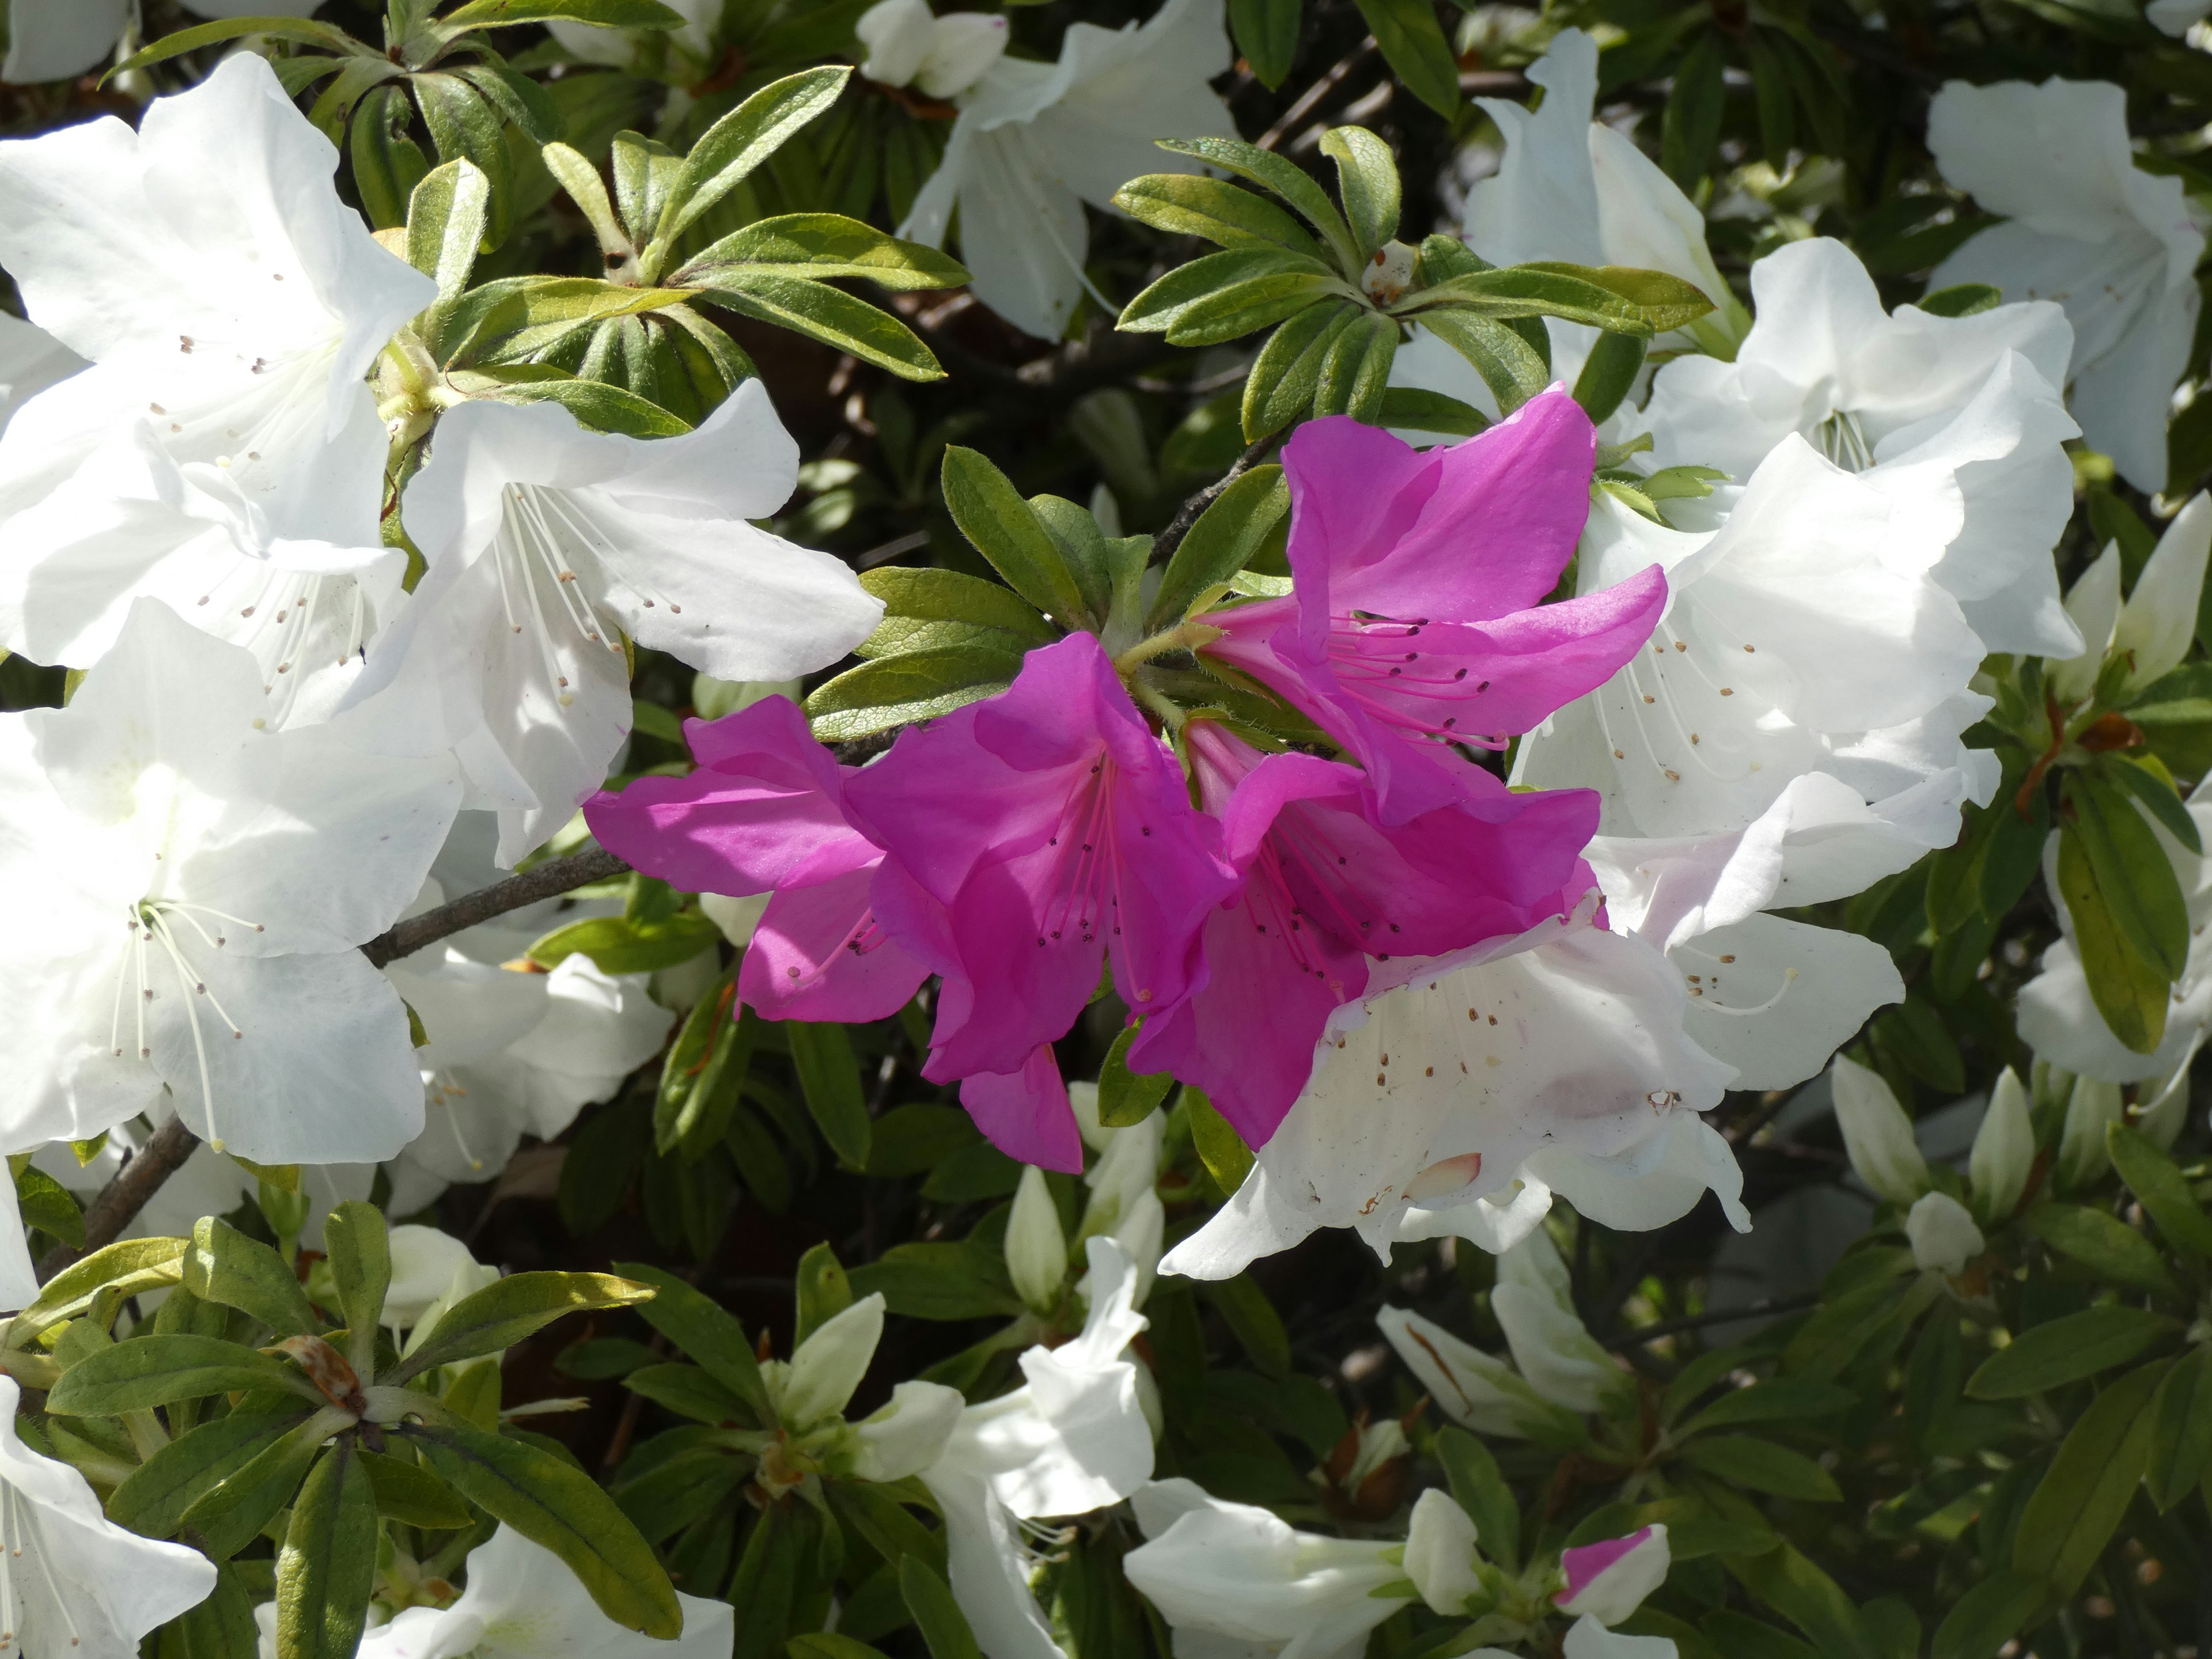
(1608, 1582)
(1419, 578)
(762, 813)
(1328, 886)
(1030, 836)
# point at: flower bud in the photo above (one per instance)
(736, 917)
(1127, 1168)
(1440, 1553)
(1083, 1101)
(425, 1266)
(1608, 1582)
(1561, 1360)
(2004, 1150)
(2082, 1152)
(1388, 274)
(1943, 1233)
(962, 47)
(2160, 618)
(2095, 604)
(1036, 1248)
(1877, 1133)
(897, 34)
(830, 1365)
(1472, 1388)
(906, 1435)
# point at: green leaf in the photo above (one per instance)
(609, 14)
(511, 319)
(2067, 1518)
(1001, 526)
(1281, 176)
(2128, 989)
(1356, 372)
(2181, 1431)
(2146, 778)
(153, 1498)
(1608, 372)
(1255, 302)
(1989, 1615)
(940, 1280)
(596, 403)
(2161, 1188)
(1798, 1589)
(326, 1570)
(388, 165)
(359, 1249)
(157, 1371)
(1287, 372)
(1784, 1399)
(1419, 410)
(1746, 1461)
(1513, 370)
(1479, 1488)
(447, 216)
(1191, 205)
(822, 1289)
(2068, 1349)
(463, 125)
(1268, 34)
(914, 1137)
(1414, 46)
(1155, 309)
(555, 1504)
(223, 1626)
(1228, 535)
(231, 1514)
(327, 35)
(1367, 180)
(501, 1315)
(2105, 1244)
(1690, 124)
(926, 608)
(929, 1599)
(139, 1264)
(829, 1078)
(617, 945)
(705, 1332)
(2133, 874)
(823, 246)
(706, 1073)
(688, 1391)
(1616, 298)
(1961, 299)
(821, 313)
(1220, 1148)
(44, 1202)
(409, 1494)
(730, 149)
(225, 1266)
(1126, 1097)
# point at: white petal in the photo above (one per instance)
(1877, 1133)
(2159, 620)
(1474, 1389)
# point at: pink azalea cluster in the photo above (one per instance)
(1017, 845)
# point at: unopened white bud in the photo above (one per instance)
(1388, 274)
(897, 34)
(736, 917)
(1877, 1133)
(2093, 602)
(906, 1435)
(2004, 1150)
(1036, 1246)
(1440, 1553)
(2082, 1155)
(962, 47)
(2160, 618)
(830, 1365)
(1942, 1234)
(428, 1266)
(1128, 1168)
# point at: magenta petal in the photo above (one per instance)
(817, 954)
(763, 802)
(1025, 1114)
(1583, 1564)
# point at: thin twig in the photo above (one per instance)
(1313, 94)
(1187, 514)
(121, 1200)
(1771, 1308)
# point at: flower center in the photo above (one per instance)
(1843, 439)
(541, 590)
(1653, 697)
(154, 938)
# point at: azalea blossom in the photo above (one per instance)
(1418, 578)
(2115, 245)
(1955, 420)
(429, 1267)
(523, 1601)
(193, 887)
(1252, 1583)
(222, 452)
(1438, 1091)
(2057, 1016)
(597, 43)
(1073, 1439)
(547, 545)
(909, 44)
(1034, 142)
(1606, 1581)
(1327, 885)
(72, 1581)
(1031, 836)
(762, 813)
(48, 41)
(31, 360)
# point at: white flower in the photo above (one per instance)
(828, 1366)
(427, 1269)
(522, 1601)
(546, 544)
(2003, 1155)
(31, 360)
(2059, 1018)
(1235, 1572)
(598, 43)
(2093, 602)
(222, 452)
(2174, 17)
(1552, 1348)
(1476, 1390)
(55, 40)
(944, 55)
(1567, 1036)
(1608, 1582)
(909, 1434)
(1877, 1135)
(212, 1183)
(1036, 1248)
(1034, 142)
(1071, 1439)
(1440, 1552)
(2159, 620)
(2083, 1153)
(1957, 422)
(1943, 1233)
(72, 1581)
(190, 889)
(2113, 245)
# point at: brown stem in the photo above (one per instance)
(120, 1200)
(1188, 514)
